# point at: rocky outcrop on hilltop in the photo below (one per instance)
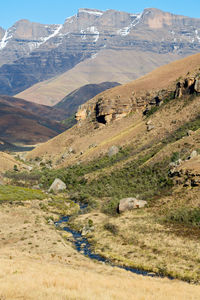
(58, 48)
(105, 108)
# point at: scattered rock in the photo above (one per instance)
(92, 146)
(29, 168)
(190, 132)
(193, 154)
(172, 165)
(36, 187)
(71, 150)
(113, 150)
(57, 186)
(150, 127)
(50, 222)
(130, 203)
(148, 122)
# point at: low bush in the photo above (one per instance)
(111, 228)
(184, 215)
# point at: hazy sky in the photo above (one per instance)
(56, 11)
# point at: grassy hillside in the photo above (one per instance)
(150, 238)
(158, 160)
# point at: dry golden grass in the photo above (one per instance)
(37, 263)
(142, 242)
(7, 162)
(31, 279)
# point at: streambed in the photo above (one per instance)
(83, 246)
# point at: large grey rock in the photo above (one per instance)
(113, 150)
(57, 186)
(130, 203)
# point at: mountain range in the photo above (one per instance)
(95, 45)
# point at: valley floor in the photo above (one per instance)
(37, 262)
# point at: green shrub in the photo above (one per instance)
(184, 215)
(175, 156)
(111, 228)
(110, 207)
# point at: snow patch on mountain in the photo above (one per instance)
(92, 30)
(197, 35)
(42, 40)
(95, 32)
(126, 30)
(90, 11)
(69, 20)
(7, 36)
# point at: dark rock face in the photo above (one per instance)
(32, 52)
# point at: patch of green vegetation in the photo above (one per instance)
(111, 228)
(152, 110)
(132, 179)
(182, 130)
(157, 107)
(69, 122)
(175, 156)
(62, 205)
(14, 193)
(25, 177)
(184, 215)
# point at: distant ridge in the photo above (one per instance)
(107, 37)
(71, 102)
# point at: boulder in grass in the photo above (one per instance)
(113, 151)
(57, 186)
(130, 204)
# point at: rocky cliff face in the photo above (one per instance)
(106, 108)
(31, 52)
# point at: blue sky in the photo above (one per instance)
(56, 11)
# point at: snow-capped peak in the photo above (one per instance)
(90, 11)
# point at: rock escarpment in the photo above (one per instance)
(105, 109)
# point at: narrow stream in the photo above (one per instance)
(83, 246)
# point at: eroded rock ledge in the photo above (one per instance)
(105, 109)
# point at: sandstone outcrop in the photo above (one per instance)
(104, 109)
